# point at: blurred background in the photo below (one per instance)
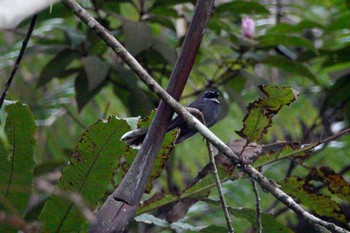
(70, 79)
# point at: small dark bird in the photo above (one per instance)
(208, 104)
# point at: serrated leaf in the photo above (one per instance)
(287, 40)
(243, 7)
(16, 159)
(321, 204)
(292, 67)
(261, 111)
(57, 65)
(335, 182)
(89, 172)
(269, 223)
(96, 71)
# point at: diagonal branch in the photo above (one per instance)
(18, 60)
(122, 204)
(192, 121)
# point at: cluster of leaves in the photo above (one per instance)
(304, 45)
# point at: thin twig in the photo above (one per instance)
(192, 121)
(215, 173)
(219, 187)
(17, 222)
(258, 208)
(18, 60)
(314, 145)
(75, 198)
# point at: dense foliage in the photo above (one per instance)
(69, 80)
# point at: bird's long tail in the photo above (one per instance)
(135, 137)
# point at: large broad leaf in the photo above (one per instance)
(166, 51)
(269, 223)
(126, 87)
(96, 71)
(16, 159)
(261, 111)
(57, 65)
(138, 36)
(337, 56)
(90, 170)
(83, 93)
(321, 204)
(243, 7)
(288, 40)
(341, 22)
(285, 28)
(292, 67)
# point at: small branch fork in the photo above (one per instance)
(193, 121)
(258, 208)
(18, 60)
(199, 114)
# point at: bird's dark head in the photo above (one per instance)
(211, 94)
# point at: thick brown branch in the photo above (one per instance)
(191, 121)
(122, 204)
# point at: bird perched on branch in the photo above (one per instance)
(208, 104)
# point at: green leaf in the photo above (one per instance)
(162, 3)
(338, 96)
(269, 223)
(163, 48)
(138, 36)
(321, 204)
(288, 40)
(126, 87)
(334, 57)
(341, 22)
(89, 172)
(96, 70)
(261, 111)
(285, 28)
(16, 158)
(83, 94)
(57, 65)
(243, 7)
(292, 67)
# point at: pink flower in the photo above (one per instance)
(248, 27)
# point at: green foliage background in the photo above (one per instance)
(70, 79)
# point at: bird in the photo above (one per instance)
(208, 104)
